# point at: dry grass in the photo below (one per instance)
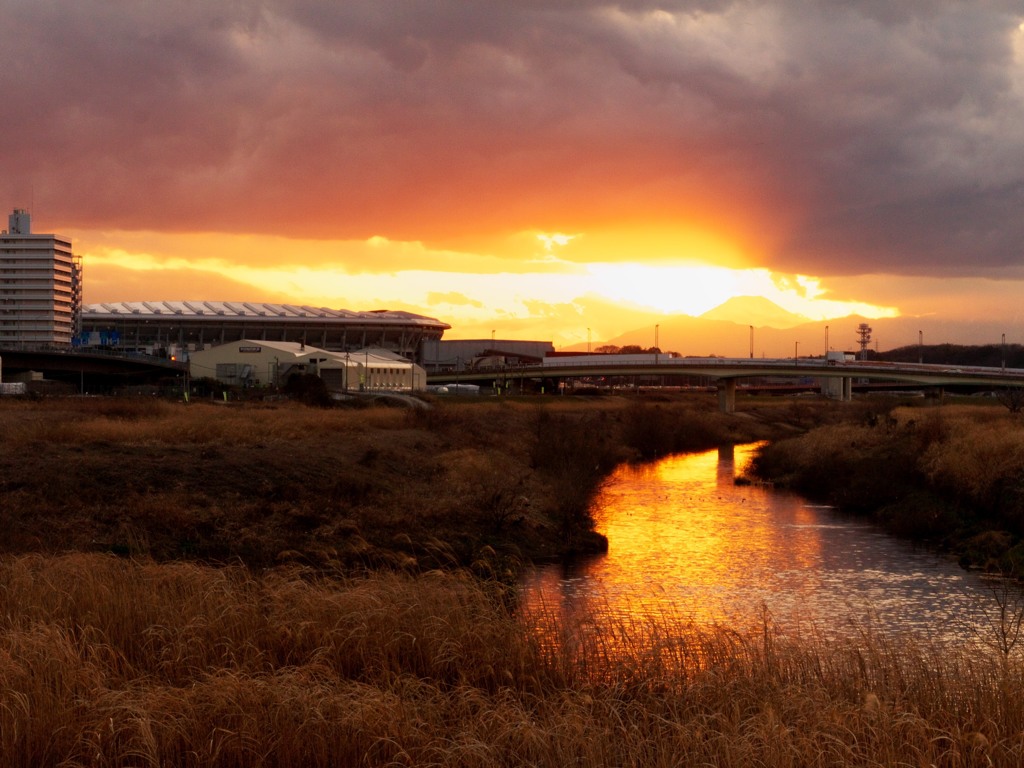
(107, 662)
(977, 455)
(339, 489)
(154, 421)
(953, 474)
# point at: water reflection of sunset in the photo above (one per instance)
(686, 544)
(684, 524)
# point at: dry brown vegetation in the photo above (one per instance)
(951, 474)
(350, 650)
(107, 661)
(335, 488)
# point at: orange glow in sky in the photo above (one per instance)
(545, 296)
(562, 171)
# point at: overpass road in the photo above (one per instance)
(726, 371)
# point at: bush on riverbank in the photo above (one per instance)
(950, 474)
(107, 661)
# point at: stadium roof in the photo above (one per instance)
(246, 309)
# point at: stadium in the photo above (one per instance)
(174, 329)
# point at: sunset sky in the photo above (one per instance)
(533, 168)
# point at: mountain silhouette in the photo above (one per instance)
(756, 311)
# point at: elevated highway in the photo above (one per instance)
(727, 371)
(89, 371)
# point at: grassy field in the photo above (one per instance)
(334, 488)
(286, 586)
(106, 661)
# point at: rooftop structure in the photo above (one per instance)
(177, 328)
(40, 287)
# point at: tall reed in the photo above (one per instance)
(107, 662)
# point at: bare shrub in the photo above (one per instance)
(1002, 618)
(976, 460)
(575, 454)
(1012, 398)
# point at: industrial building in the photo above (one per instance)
(251, 363)
(40, 287)
(462, 354)
(179, 329)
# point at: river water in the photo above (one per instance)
(685, 540)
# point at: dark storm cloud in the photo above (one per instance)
(853, 137)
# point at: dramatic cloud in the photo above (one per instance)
(818, 138)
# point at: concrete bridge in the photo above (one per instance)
(87, 371)
(727, 371)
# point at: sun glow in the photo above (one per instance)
(556, 298)
(549, 241)
(693, 290)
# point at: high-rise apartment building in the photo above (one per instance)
(40, 287)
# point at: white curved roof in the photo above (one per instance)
(240, 309)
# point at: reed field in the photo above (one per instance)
(334, 488)
(278, 585)
(952, 475)
(108, 661)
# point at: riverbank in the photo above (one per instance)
(108, 661)
(952, 476)
(354, 649)
(463, 482)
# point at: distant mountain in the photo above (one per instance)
(756, 311)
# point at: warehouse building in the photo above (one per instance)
(251, 363)
(461, 354)
(179, 329)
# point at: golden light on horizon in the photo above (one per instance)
(595, 166)
(554, 297)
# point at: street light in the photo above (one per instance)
(751, 342)
(796, 353)
(826, 341)
(657, 349)
(1003, 355)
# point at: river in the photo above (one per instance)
(685, 540)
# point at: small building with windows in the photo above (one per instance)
(251, 363)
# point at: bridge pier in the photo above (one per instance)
(840, 389)
(727, 395)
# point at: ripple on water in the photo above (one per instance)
(685, 540)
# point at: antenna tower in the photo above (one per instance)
(864, 332)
